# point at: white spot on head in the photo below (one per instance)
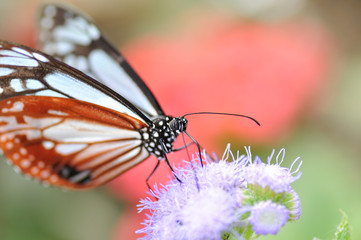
(40, 57)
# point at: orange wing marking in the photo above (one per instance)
(68, 143)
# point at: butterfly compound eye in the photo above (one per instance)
(178, 123)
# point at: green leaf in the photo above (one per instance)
(343, 230)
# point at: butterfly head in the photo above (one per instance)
(178, 124)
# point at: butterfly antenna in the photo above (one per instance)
(227, 114)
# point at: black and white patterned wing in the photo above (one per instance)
(62, 127)
(74, 39)
(26, 71)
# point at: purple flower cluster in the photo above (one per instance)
(243, 197)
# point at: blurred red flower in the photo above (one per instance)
(272, 72)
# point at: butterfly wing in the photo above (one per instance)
(74, 39)
(26, 71)
(66, 142)
(61, 127)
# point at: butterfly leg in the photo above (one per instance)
(187, 145)
(198, 146)
(183, 147)
(166, 159)
(150, 175)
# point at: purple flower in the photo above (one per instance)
(206, 214)
(268, 217)
(294, 205)
(271, 184)
(271, 175)
(205, 204)
(223, 197)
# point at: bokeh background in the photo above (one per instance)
(294, 65)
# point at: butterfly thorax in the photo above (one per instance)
(158, 139)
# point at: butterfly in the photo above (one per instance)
(77, 115)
